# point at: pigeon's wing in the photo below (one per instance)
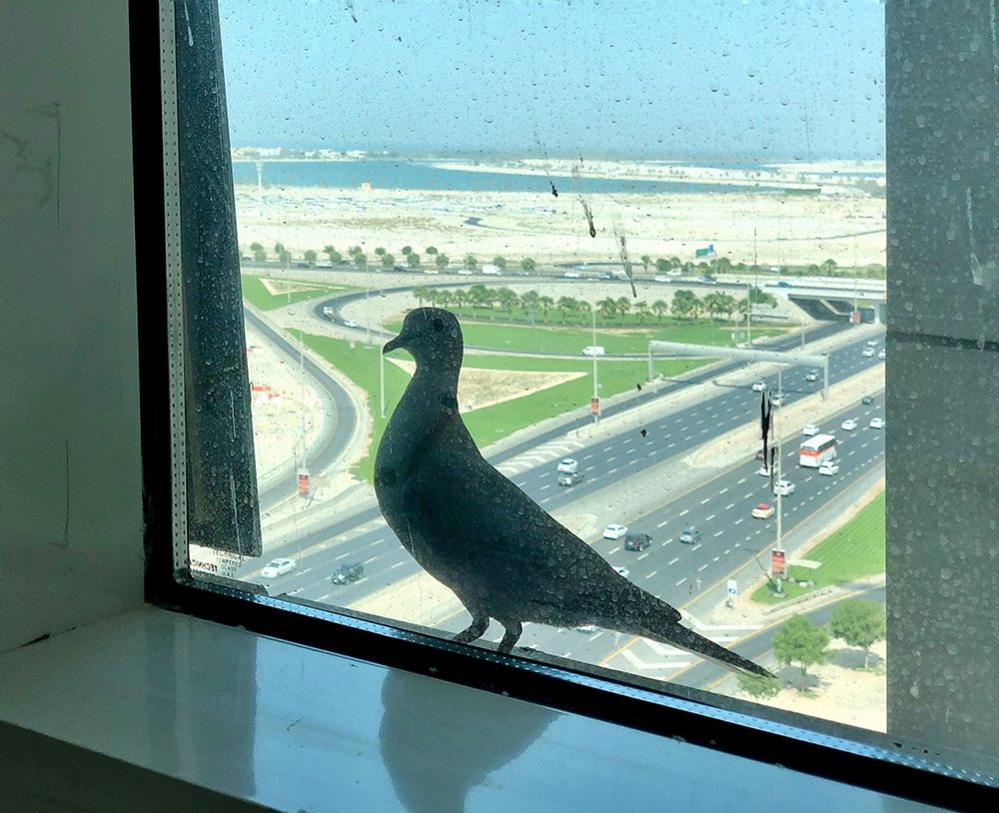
(508, 551)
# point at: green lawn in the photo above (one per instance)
(571, 340)
(492, 423)
(257, 295)
(854, 551)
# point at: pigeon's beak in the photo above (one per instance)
(392, 344)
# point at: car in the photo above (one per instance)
(872, 342)
(849, 424)
(812, 376)
(661, 278)
(760, 454)
(829, 468)
(763, 510)
(706, 281)
(572, 275)
(763, 471)
(464, 272)
(867, 399)
(783, 283)
(277, 567)
(877, 423)
(690, 536)
(594, 350)
(615, 531)
(622, 571)
(350, 323)
(347, 574)
(868, 352)
(784, 488)
(569, 480)
(567, 465)
(759, 386)
(810, 429)
(587, 628)
(637, 542)
(674, 272)
(605, 275)
(778, 399)
(881, 353)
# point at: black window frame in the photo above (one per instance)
(849, 755)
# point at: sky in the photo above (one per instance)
(753, 79)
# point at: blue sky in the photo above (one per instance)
(759, 79)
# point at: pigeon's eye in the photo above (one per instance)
(438, 324)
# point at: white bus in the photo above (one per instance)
(817, 450)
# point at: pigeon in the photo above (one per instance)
(472, 529)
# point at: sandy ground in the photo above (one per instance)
(478, 388)
(283, 407)
(789, 229)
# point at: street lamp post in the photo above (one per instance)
(780, 490)
(596, 381)
(381, 384)
(367, 316)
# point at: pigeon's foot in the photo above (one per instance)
(473, 631)
(510, 637)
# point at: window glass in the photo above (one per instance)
(658, 232)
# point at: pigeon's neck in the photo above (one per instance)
(437, 379)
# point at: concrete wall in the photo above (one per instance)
(70, 479)
(943, 375)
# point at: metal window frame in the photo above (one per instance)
(847, 754)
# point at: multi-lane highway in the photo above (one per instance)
(719, 509)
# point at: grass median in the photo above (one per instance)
(495, 422)
(854, 551)
(256, 293)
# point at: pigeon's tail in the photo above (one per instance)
(676, 634)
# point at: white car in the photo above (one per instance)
(877, 423)
(868, 352)
(872, 342)
(568, 465)
(277, 567)
(829, 469)
(661, 278)
(881, 353)
(784, 488)
(674, 272)
(763, 471)
(812, 375)
(615, 531)
(572, 275)
(587, 628)
(849, 425)
(350, 323)
(464, 272)
(763, 510)
(622, 571)
(759, 386)
(593, 350)
(778, 399)
(810, 429)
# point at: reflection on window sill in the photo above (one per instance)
(286, 726)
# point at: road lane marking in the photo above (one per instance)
(684, 512)
(710, 517)
(705, 500)
(615, 550)
(653, 573)
(702, 567)
(730, 506)
(740, 520)
(723, 491)
(660, 525)
(398, 564)
(680, 582)
(718, 533)
(673, 561)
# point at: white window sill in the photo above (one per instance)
(263, 721)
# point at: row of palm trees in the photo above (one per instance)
(685, 305)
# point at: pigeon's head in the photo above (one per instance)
(431, 335)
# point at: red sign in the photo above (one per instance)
(594, 406)
(777, 564)
(854, 317)
(303, 483)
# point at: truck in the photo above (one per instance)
(329, 312)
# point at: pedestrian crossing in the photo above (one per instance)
(545, 453)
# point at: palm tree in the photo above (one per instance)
(443, 297)
(546, 303)
(528, 265)
(675, 262)
(529, 302)
(413, 259)
(379, 251)
(284, 256)
(433, 296)
(507, 299)
(726, 304)
(310, 257)
(406, 250)
(500, 262)
(259, 252)
(431, 250)
(711, 304)
(659, 307)
(566, 304)
(623, 306)
(470, 261)
(683, 302)
(481, 296)
(607, 307)
(421, 294)
(360, 260)
(646, 261)
(663, 265)
(333, 254)
(583, 308)
(459, 297)
(388, 261)
(641, 310)
(442, 260)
